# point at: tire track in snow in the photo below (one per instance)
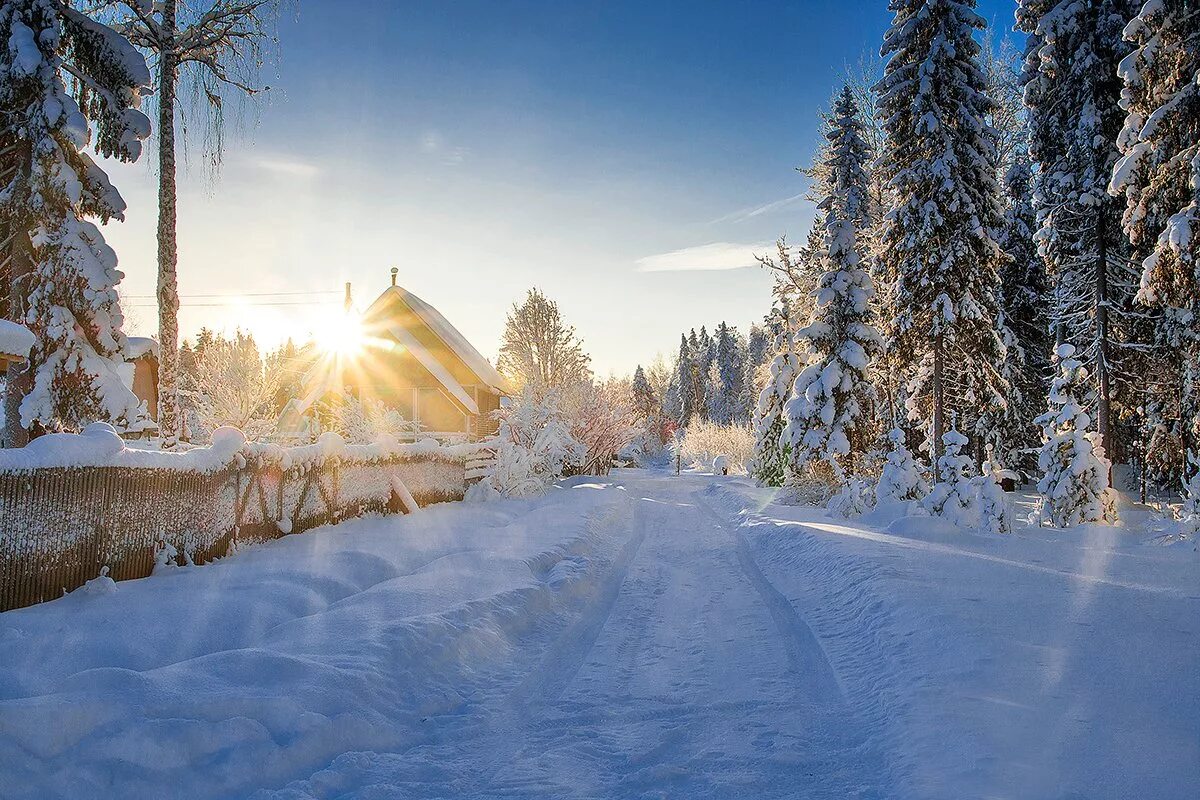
(803, 648)
(567, 654)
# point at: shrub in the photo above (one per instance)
(704, 441)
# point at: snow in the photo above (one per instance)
(138, 346)
(15, 340)
(98, 445)
(27, 57)
(648, 636)
(451, 336)
(1042, 664)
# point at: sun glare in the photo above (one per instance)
(341, 335)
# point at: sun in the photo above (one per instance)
(341, 335)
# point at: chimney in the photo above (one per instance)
(394, 271)
(346, 304)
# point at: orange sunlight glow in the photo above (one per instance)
(341, 335)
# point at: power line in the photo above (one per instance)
(239, 294)
(237, 305)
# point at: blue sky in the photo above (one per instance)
(593, 149)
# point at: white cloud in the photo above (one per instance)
(282, 166)
(744, 214)
(433, 144)
(715, 256)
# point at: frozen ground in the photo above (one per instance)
(649, 636)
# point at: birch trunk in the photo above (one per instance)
(168, 250)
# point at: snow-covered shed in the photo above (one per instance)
(142, 353)
(421, 365)
(15, 342)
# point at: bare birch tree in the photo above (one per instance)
(218, 46)
(539, 349)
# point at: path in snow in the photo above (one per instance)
(688, 675)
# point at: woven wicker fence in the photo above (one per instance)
(59, 526)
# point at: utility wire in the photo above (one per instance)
(239, 294)
(231, 305)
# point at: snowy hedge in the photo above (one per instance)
(72, 504)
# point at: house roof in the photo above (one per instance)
(139, 346)
(441, 327)
(429, 362)
(317, 379)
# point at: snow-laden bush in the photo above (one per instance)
(703, 441)
(994, 513)
(1189, 514)
(232, 387)
(853, 500)
(534, 446)
(953, 495)
(361, 421)
(1074, 485)
(601, 418)
(901, 478)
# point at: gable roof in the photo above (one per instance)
(429, 362)
(441, 327)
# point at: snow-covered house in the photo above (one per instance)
(421, 365)
(412, 360)
(15, 342)
(142, 354)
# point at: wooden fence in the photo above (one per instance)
(60, 525)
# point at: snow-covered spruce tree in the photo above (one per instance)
(1159, 175)
(901, 478)
(1023, 298)
(1073, 91)
(826, 419)
(952, 495)
(647, 412)
(645, 403)
(758, 361)
(1074, 484)
(771, 455)
(938, 239)
(681, 395)
(62, 275)
(703, 356)
(726, 390)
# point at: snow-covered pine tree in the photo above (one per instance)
(952, 495)
(1159, 175)
(61, 275)
(703, 355)
(938, 239)
(1074, 483)
(771, 454)
(726, 384)
(1023, 298)
(645, 404)
(1072, 91)
(826, 414)
(681, 396)
(901, 478)
(758, 357)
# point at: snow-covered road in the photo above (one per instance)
(645, 636)
(688, 675)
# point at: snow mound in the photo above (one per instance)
(15, 340)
